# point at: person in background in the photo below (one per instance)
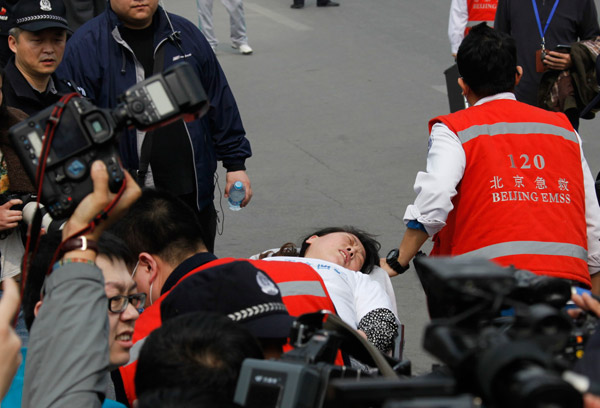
(237, 21)
(6, 23)
(298, 4)
(38, 40)
(80, 11)
(538, 27)
(465, 14)
(10, 344)
(129, 42)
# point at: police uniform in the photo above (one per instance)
(34, 16)
(19, 94)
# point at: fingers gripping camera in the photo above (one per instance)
(86, 133)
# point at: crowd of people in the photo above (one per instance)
(127, 305)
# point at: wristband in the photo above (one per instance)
(66, 261)
(79, 244)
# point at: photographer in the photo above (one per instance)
(14, 183)
(68, 360)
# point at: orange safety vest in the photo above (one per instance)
(145, 324)
(302, 291)
(521, 200)
(481, 11)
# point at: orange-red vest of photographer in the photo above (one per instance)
(302, 291)
(481, 11)
(521, 200)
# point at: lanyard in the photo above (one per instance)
(539, 23)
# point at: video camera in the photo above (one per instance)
(85, 133)
(504, 339)
(301, 377)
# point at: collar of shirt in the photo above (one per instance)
(501, 95)
(51, 88)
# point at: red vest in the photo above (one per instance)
(302, 290)
(481, 11)
(521, 200)
(145, 324)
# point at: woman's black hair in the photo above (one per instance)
(372, 246)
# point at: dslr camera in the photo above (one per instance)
(84, 133)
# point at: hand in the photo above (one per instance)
(591, 401)
(384, 265)
(97, 200)
(558, 60)
(10, 344)
(585, 302)
(232, 177)
(10, 218)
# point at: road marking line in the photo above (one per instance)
(440, 88)
(278, 18)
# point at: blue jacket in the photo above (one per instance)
(99, 61)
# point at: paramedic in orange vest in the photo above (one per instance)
(505, 181)
(465, 14)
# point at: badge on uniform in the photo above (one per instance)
(45, 5)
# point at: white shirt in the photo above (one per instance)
(353, 294)
(446, 162)
(459, 16)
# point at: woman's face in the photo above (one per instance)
(341, 248)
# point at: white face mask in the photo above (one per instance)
(135, 269)
(150, 295)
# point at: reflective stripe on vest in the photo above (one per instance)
(301, 288)
(473, 23)
(504, 128)
(134, 352)
(480, 11)
(527, 248)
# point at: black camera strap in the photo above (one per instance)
(146, 151)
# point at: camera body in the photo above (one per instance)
(301, 377)
(85, 133)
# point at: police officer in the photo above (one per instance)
(505, 181)
(38, 40)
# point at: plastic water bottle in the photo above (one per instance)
(237, 192)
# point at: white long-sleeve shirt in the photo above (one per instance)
(446, 162)
(457, 22)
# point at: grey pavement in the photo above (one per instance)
(336, 103)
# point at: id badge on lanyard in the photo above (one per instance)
(541, 53)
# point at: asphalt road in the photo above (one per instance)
(336, 102)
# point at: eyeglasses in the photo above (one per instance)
(118, 304)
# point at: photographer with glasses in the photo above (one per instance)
(124, 304)
(68, 359)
